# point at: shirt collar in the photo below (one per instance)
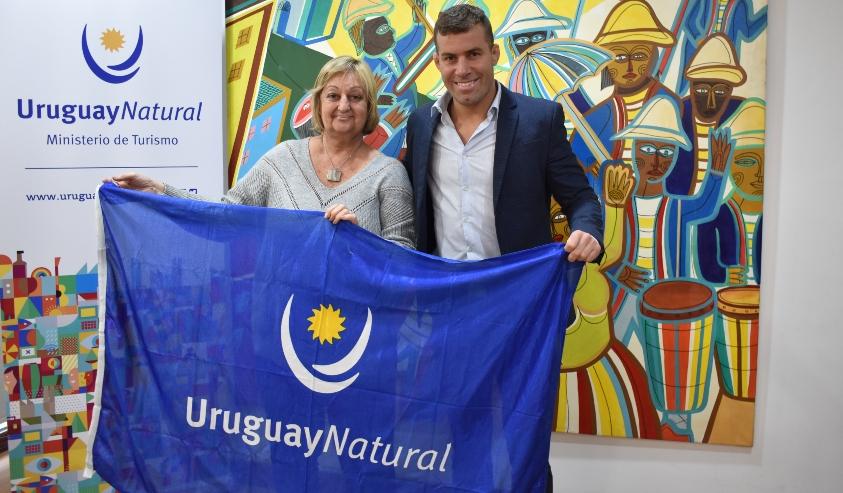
(441, 104)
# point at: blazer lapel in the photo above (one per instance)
(422, 142)
(507, 123)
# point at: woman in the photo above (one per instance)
(334, 172)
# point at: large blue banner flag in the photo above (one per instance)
(254, 349)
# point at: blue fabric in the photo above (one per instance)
(461, 363)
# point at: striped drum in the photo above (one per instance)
(677, 316)
(736, 339)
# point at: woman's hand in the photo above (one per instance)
(135, 181)
(339, 212)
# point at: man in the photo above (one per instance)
(484, 161)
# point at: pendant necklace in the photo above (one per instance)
(335, 173)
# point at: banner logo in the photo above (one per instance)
(113, 40)
(326, 324)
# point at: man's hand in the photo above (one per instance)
(135, 181)
(581, 246)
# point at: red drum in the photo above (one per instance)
(677, 317)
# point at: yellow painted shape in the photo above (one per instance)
(562, 404)
(237, 89)
(88, 312)
(585, 340)
(76, 455)
(69, 362)
(613, 402)
(705, 336)
(601, 406)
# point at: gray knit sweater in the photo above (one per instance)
(284, 178)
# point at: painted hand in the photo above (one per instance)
(736, 275)
(633, 277)
(617, 184)
(721, 147)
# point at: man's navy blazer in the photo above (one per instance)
(533, 161)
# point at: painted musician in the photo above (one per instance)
(633, 34)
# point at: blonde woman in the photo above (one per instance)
(335, 171)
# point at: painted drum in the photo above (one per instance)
(677, 316)
(736, 339)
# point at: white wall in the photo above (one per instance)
(799, 417)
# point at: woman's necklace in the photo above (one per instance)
(335, 173)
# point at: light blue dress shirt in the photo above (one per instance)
(460, 180)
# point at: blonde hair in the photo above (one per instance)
(339, 66)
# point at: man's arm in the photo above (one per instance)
(568, 185)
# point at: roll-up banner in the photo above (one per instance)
(89, 90)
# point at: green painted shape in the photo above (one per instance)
(35, 378)
(293, 66)
(50, 381)
(69, 283)
(78, 426)
(28, 310)
(16, 466)
(319, 20)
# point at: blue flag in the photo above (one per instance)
(255, 349)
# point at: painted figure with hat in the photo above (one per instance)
(660, 225)
(527, 24)
(714, 72)
(592, 355)
(737, 19)
(387, 55)
(633, 33)
(729, 247)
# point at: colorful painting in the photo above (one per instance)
(50, 343)
(665, 101)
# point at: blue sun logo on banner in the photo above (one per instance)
(113, 41)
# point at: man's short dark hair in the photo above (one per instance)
(461, 19)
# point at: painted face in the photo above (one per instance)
(709, 98)
(522, 41)
(559, 227)
(466, 62)
(632, 65)
(748, 172)
(344, 107)
(378, 36)
(652, 161)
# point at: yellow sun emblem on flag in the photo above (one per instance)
(112, 39)
(326, 324)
